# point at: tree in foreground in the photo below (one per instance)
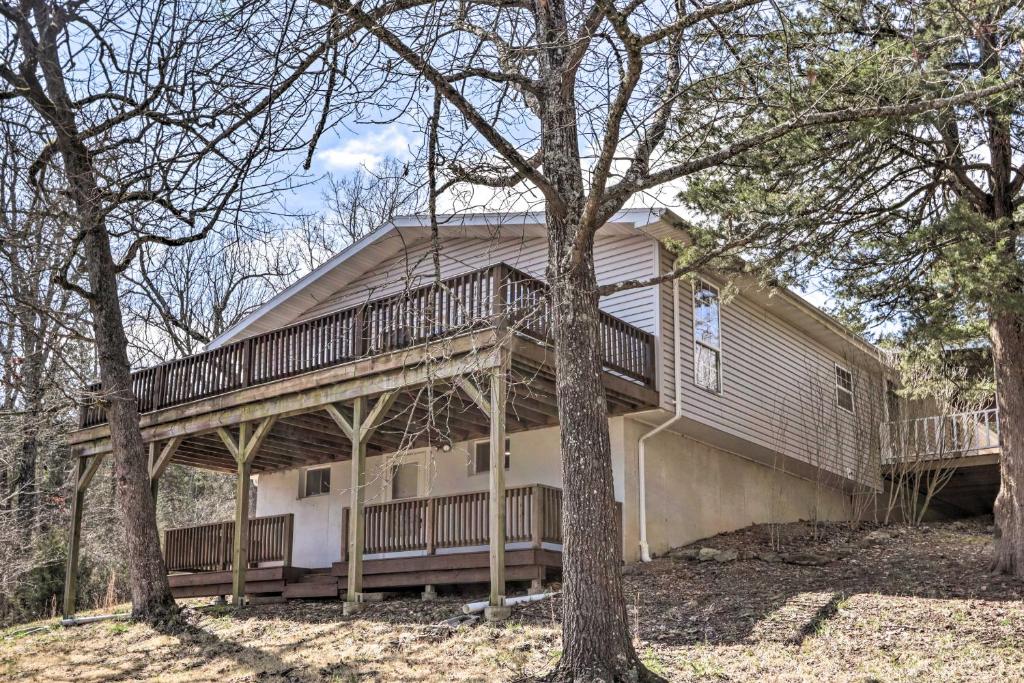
(912, 220)
(577, 104)
(161, 120)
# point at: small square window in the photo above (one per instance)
(844, 388)
(316, 482)
(482, 456)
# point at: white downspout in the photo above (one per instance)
(645, 551)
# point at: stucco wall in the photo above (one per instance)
(317, 541)
(695, 491)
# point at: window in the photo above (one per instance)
(844, 388)
(405, 480)
(482, 456)
(707, 337)
(316, 482)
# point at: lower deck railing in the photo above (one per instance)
(940, 436)
(533, 514)
(208, 547)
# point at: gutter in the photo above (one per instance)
(645, 551)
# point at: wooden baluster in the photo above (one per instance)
(429, 523)
(246, 369)
(536, 516)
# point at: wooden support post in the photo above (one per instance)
(497, 488)
(85, 470)
(159, 460)
(154, 482)
(240, 547)
(244, 451)
(359, 430)
(356, 519)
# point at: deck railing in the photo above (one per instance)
(208, 547)
(533, 514)
(474, 300)
(940, 436)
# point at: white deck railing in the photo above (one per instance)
(940, 436)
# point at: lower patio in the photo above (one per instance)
(420, 542)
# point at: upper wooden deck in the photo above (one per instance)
(432, 335)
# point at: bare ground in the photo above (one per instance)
(918, 605)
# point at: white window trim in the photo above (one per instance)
(851, 392)
(721, 335)
(302, 482)
(473, 472)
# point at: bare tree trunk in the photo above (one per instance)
(1007, 333)
(595, 631)
(150, 591)
(25, 471)
(596, 643)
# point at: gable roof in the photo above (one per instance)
(360, 257)
(390, 239)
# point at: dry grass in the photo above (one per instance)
(919, 606)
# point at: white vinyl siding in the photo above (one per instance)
(617, 257)
(778, 385)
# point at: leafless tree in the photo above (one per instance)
(162, 120)
(573, 102)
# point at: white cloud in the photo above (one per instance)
(366, 151)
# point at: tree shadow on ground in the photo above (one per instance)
(678, 602)
(198, 646)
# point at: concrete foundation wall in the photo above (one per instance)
(695, 491)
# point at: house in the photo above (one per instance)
(730, 405)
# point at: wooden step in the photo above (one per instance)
(311, 590)
(318, 578)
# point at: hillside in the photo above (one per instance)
(830, 604)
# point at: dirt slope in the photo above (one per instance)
(896, 605)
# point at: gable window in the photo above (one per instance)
(844, 388)
(316, 481)
(481, 461)
(707, 337)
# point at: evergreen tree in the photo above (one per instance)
(912, 220)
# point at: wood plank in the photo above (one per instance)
(309, 392)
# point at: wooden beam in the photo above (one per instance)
(496, 512)
(474, 394)
(249, 442)
(90, 471)
(229, 442)
(374, 418)
(254, 442)
(309, 392)
(159, 463)
(339, 419)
